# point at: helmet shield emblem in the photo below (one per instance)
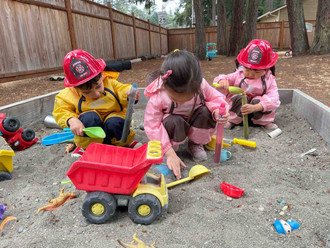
(79, 68)
(255, 56)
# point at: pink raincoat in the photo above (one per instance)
(268, 96)
(159, 105)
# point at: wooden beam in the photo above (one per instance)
(150, 50)
(70, 24)
(134, 31)
(41, 4)
(280, 41)
(7, 77)
(160, 39)
(112, 32)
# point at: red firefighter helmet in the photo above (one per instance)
(79, 67)
(257, 55)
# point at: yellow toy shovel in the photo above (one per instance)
(195, 172)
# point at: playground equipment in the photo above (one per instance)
(211, 51)
(18, 138)
(117, 176)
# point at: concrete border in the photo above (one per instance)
(315, 112)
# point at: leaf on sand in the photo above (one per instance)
(6, 220)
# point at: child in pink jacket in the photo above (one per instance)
(256, 76)
(182, 104)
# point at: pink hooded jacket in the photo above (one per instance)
(159, 105)
(269, 100)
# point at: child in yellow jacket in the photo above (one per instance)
(92, 98)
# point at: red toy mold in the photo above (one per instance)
(231, 190)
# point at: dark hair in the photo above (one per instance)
(88, 85)
(186, 74)
(272, 69)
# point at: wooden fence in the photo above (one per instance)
(35, 35)
(277, 33)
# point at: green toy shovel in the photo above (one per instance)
(94, 132)
(237, 91)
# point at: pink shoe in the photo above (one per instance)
(78, 152)
(270, 126)
(135, 144)
(229, 125)
(197, 151)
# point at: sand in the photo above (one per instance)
(274, 177)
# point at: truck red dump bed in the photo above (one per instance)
(117, 170)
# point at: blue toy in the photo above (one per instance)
(285, 227)
(57, 138)
(164, 169)
(2, 210)
(211, 51)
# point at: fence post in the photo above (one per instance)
(135, 41)
(70, 24)
(281, 35)
(168, 40)
(112, 32)
(149, 36)
(160, 39)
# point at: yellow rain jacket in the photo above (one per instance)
(71, 103)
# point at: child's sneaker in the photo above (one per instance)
(78, 152)
(197, 151)
(135, 144)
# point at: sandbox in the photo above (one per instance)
(278, 184)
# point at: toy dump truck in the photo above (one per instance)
(117, 176)
(6, 160)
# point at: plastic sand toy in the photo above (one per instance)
(231, 190)
(116, 176)
(6, 160)
(285, 227)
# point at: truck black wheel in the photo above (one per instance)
(11, 124)
(28, 135)
(144, 209)
(4, 176)
(98, 207)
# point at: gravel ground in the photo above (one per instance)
(199, 214)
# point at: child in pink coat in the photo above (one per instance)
(256, 76)
(182, 104)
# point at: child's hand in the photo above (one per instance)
(76, 126)
(223, 84)
(222, 120)
(137, 96)
(173, 162)
(249, 108)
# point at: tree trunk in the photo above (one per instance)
(250, 27)
(236, 26)
(214, 12)
(199, 30)
(222, 36)
(298, 34)
(321, 42)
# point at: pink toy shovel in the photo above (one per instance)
(218, 140)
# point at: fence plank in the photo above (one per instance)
(70, 22)
(135, 42)
(112, 32)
